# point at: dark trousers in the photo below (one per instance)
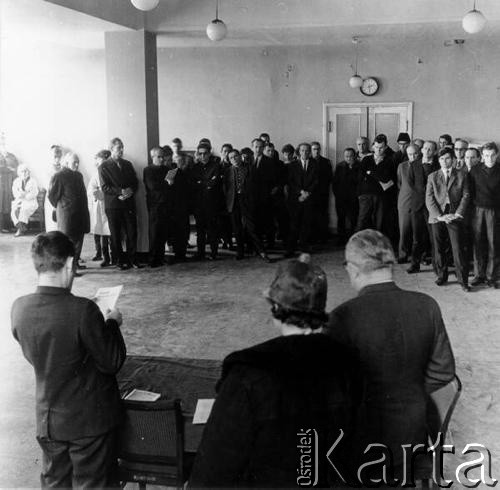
(207, 230)
(321, 217)
(486, 230)
(157, 218)
(90, 462)
(5, 221)
(405, 231)
(281, 217)
(178, 224)
(102, 247)
(422, 244)
(347, 215)
(301, 216)
(244, 229)
(122, 222)
(444, 236)
(78, 243)
(226, 229)
(371, 212)
(264, 220)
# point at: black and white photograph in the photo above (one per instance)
(249, 244)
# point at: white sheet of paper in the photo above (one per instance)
(387, 185)
(203, 409)
(142, 396)
(106, 298)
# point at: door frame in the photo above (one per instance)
(327, 105)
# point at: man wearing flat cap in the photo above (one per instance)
(271, 393)
(403, 142)
(403, 346)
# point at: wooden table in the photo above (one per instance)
(184, 378)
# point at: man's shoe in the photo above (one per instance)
(265, 257)
(96, 258)
(413, 269)
(156, 263)
(105, 263)
(81, 266)
(441, 281)
(136, 265)
(19, 232)
(495, 285)
(77, 274)
(403, 260)
(465, 287)
(125, 267)
(476, 281)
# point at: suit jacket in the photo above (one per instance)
(372, 174)
(345, 183)
(418, 174)
(405, 354)
(267, 177)
(68, 195)
(405, 191)
(299, 180)
(325, 176)
(155, 184)
(457, 190)
(75, 355)
(116, 176)
(207, 184)
(247, 197)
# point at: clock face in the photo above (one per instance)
(370, 86)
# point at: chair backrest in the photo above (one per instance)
(440, 408)
(152, 432)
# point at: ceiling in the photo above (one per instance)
(81, 23)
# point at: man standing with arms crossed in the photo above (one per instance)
(76, 353)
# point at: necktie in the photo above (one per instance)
(447, 177)
(305, 166)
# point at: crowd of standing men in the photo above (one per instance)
(437, 202)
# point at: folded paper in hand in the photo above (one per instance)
(106, 298)
(171, 174)
(203, 409)
(387, 185)
(142, 396)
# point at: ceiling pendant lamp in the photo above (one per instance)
(355, 81)
(473, 21)
(216, 30)
(145, 5)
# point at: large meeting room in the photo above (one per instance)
(249, 243)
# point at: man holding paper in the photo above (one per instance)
(75, 352)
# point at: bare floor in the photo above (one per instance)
(207, 310)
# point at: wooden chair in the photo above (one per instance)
(38, 217)
(152, 444)
(440, 409)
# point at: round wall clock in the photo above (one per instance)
(370, 86)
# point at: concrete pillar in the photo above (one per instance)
(132, 96)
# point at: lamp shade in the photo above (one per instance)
(355, 81)
(473, 21)
(216, 30)
(145, 4)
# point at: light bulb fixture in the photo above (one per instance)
(216, 30)
(473, 21)
(145, 5)
(355, 81)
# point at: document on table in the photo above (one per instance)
(142, 396)
(203, 409)
(106, 298)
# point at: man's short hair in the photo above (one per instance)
(304, 144)
(380, 138)
(264, 135)
(205, 141)
(477, 150)
(167, 151)
(490, 146)
(50, 251)
(234, 150)
(229, 146)
(269, 145)
(446, 151)
(370, 250)
(461, 140)
(288, 148)
(104, 154)
(433, 143)
(447, 137)
(257, 139)
(247, 151)
(316, 143)
(115, 141)
(204, 146)
(177, 141)
(349, 148)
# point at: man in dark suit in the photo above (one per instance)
(345, 188)
(322, 200)
(404, 204)
(239, 183)
(302, 186)
(418, 174)
(156, 199)
(75, 353)
(207, 181)
(119, 184)
(376, 189)
(68, 195)
(266, 187)
(401, 156)
(485, 192)
(402, 343)
(447, 197)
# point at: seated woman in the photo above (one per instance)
(281, 404)
(25, 192)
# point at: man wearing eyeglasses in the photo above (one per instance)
(207, 181)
